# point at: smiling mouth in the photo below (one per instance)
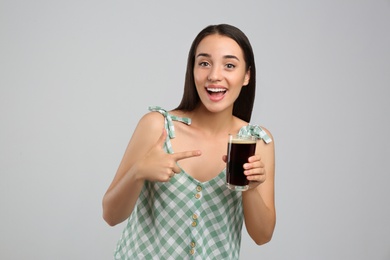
(216, 91)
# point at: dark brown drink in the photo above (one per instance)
(239, 150)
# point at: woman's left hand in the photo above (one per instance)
(254, 170)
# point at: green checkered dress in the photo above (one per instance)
(185, 218)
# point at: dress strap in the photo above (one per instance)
(255, 130)
(169, 119)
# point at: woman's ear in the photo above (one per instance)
(247, 77)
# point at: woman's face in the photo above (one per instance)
(219, 72)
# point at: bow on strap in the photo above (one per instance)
(169, 120)
(255, 130)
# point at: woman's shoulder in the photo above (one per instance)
(149, 122)
(152, 120)
(257, 130)
(266, 130)
(156, 116)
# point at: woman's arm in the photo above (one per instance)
(122, 194)
(144, 159)
(259, 202)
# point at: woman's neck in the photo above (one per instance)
(213, 123)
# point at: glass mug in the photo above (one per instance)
(240, 148)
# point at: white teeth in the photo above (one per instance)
(216, 90)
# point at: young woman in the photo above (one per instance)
(171, 182)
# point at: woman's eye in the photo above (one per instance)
(230, 66)
(204, 64)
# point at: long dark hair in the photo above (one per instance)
(243, 105)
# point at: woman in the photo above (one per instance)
(171, 184)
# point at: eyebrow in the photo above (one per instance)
(225, 57)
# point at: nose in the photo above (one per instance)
(214, 75)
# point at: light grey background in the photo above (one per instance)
(76, 76)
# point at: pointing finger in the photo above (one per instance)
(184, 155)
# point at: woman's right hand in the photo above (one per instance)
(158, 165)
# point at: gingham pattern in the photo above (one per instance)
(255, 130)
(183, 218)
(169, 120)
